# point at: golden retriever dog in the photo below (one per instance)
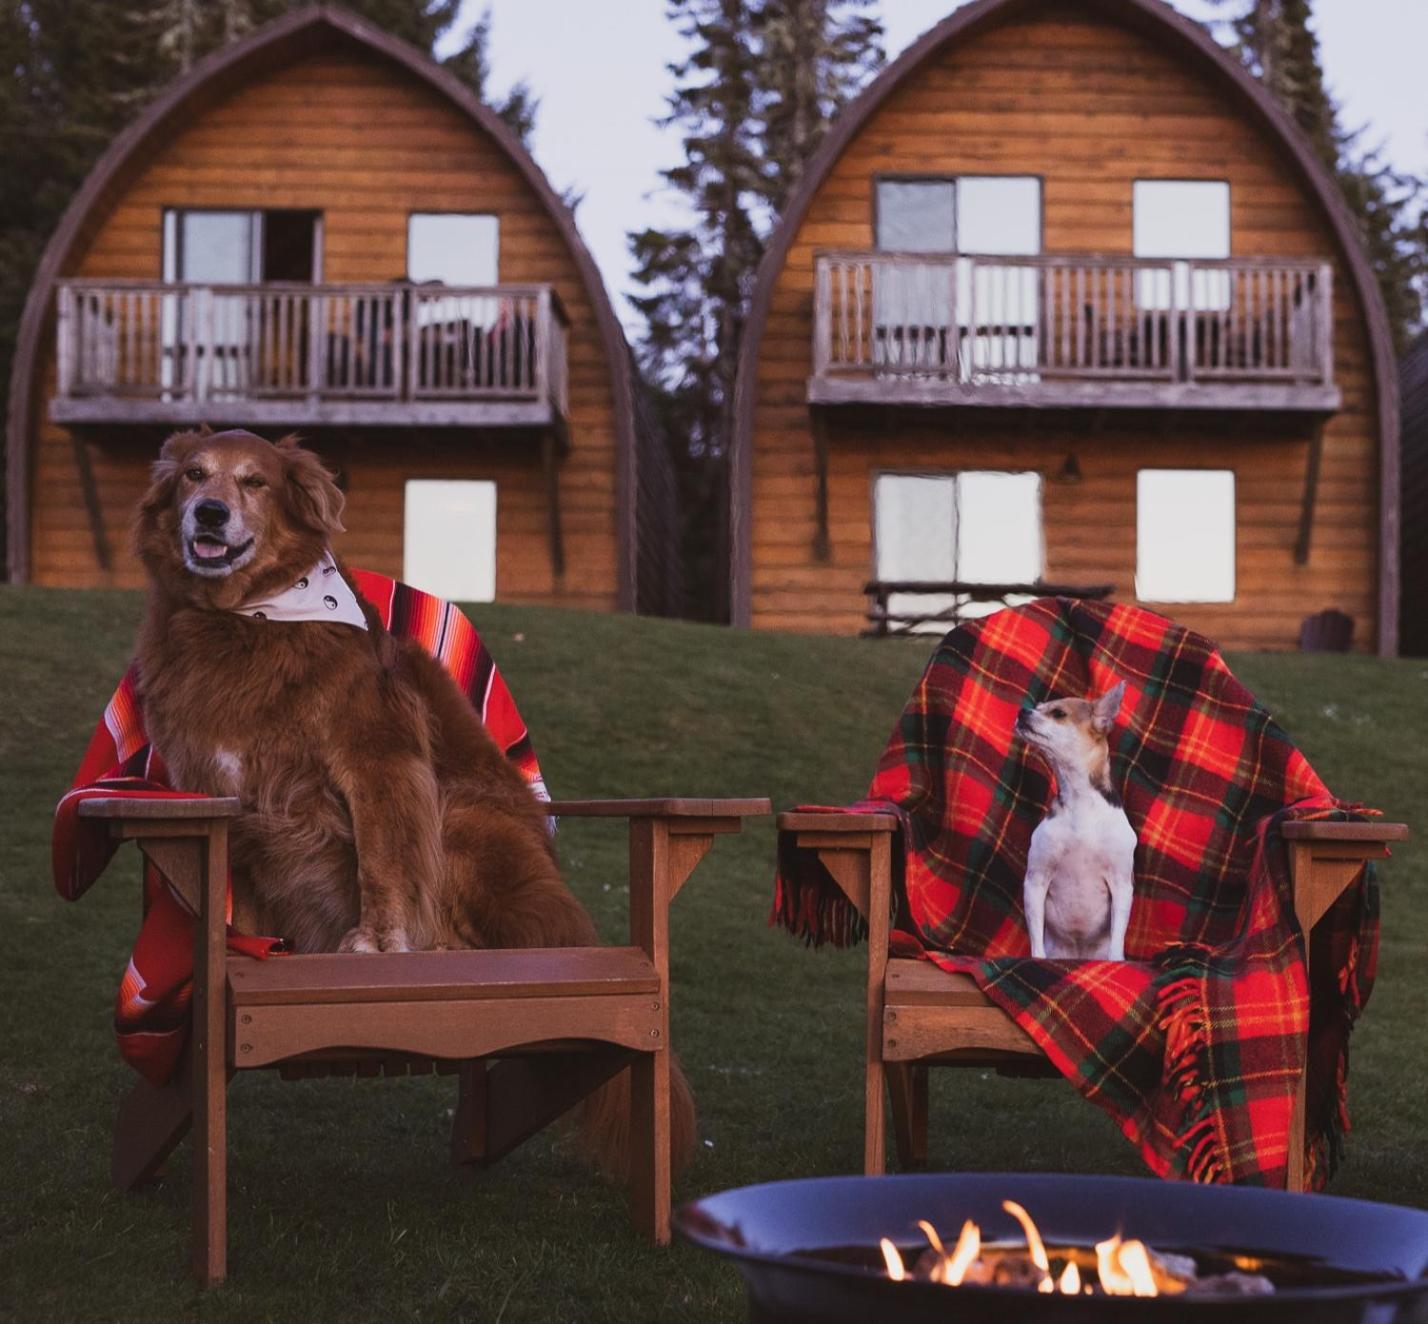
(378, 813)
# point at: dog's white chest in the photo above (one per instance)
(1081, 865)
(228, 771)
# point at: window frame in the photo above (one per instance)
(171, 239)
(954, 476)
(1234, 536)
(427, 479)
(881, 177)
(447, 211)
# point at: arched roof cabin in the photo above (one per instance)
(320, 229)
(1066, 299)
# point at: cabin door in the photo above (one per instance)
(238, 329)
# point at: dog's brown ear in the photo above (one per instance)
(310, 489)
(165, 472)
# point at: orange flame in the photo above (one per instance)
(1123, 1268)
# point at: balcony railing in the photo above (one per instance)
(1073, 331)
(396, 355)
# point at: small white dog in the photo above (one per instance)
(1080, 869)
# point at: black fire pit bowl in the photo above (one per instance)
(808, 1250)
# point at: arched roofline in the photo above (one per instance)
(1189, 40)
(285, 40)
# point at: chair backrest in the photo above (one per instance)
(1198, 762)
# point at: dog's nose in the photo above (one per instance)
(211, 514)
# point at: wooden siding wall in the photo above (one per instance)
(366, 144)
(1413, 383)
(1090, 107)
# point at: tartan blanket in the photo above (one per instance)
(1195, 1043)
(151, 1016)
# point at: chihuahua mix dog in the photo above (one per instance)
(1080, 868)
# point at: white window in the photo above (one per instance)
(976, 527)
(917, 305)
(1182, 219)
(457, 248)
(450, 539)
(1185, 535)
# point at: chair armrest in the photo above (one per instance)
(1320, 830)
(137, 809)
(805, 823)
(664, 807)
(186, 837)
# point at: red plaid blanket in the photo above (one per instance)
(1195, 1043)
(152, 1015)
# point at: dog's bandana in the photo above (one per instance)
(320, 595)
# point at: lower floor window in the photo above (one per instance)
(449, 543)
(1185, 535)
(976, 527)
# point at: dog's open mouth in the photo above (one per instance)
(209, 554)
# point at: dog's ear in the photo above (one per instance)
(310, 489)
(1104, 710)
(165, 471)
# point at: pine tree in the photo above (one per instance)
(1276, 43)
(752, 100)
(518, 108)
(814, 57)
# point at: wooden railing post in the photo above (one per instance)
(822, 316)
(542, 345)
(1324, 291)
(66, 324)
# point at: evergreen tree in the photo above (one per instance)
(752, 100)
(1276, 43)
(814, 57)
(472, 65)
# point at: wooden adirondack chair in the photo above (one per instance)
(919, 1016)
(529, 1032)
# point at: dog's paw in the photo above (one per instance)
(364, 938)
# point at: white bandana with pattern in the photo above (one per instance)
(320, 595)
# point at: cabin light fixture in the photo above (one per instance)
(1070, 471)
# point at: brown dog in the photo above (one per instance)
(378, 813)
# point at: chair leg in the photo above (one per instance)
(1295, 1175)
(151, 1122)
(907, 1089)
(469, 1126)
(874, 1104)
(649, 1145)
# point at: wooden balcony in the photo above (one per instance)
(396, 355)
(1073, 332)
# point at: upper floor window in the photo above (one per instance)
(456, 248)
(998, 214)
(1182, 219)
(208, 247)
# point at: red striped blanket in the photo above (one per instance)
(152, 1014)
(1195, 1044)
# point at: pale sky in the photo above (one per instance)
(598, 67)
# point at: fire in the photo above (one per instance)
(1123, 1268)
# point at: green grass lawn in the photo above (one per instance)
(343, 1205)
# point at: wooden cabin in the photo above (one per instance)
(1065, 299)
(1413, 383)
(320, 230)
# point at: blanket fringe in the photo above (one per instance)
(1186, 1027)
(817, 913)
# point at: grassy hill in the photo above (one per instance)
(342, 1202)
